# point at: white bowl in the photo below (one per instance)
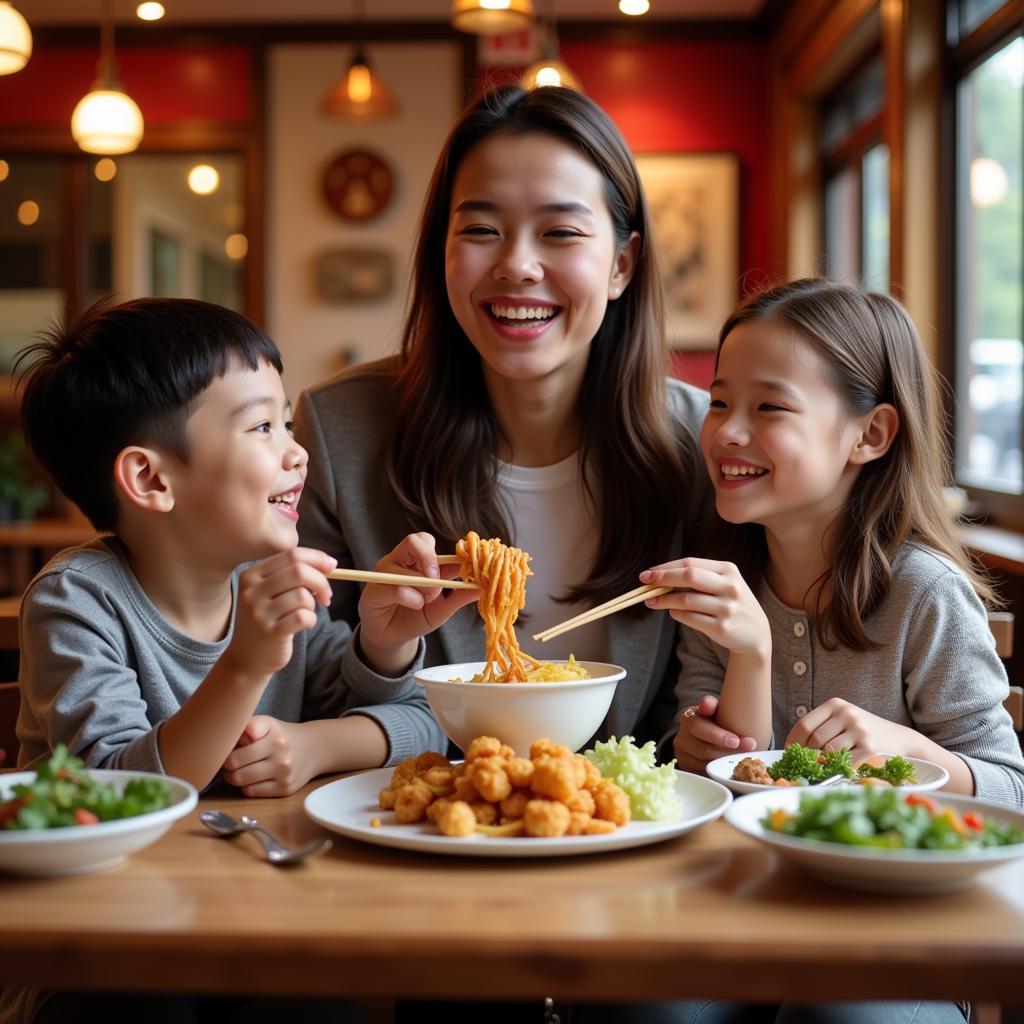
(928, 774)
(874, 870)
(519, 713)
(78, 849)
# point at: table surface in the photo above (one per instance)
(710, 913)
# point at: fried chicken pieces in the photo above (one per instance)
(552, 793)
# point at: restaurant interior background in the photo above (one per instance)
(871, 140)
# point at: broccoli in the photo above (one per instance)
(836, 762)
(897, 771)
(797, 763)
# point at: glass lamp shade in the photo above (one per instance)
(552, 71)
(107, 120)
(360, 95)
(491, 17)
(15, 40)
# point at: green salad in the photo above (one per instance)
(806, 766)
(64, 793)
(887, 819)
(651, 789)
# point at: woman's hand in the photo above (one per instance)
(700, 740)
(713, 598)
(837, 723)
(393, 618)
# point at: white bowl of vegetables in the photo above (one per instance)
(807, 766)
(64, 820)
(883, 840)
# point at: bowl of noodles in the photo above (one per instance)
(559, 702)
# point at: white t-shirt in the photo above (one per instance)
(556, 525)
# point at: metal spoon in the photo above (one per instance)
(225, 825)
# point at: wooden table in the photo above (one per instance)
(710, 913)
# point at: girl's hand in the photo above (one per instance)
(700, 740)
(276, 598)
(393, 618)
(270, 758)
(712, 597)
(837, 723)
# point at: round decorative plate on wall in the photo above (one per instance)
(357, 184)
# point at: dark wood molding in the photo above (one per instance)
(894, 46)
(254, 150)
(988, 36)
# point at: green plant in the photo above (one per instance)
(22, 496)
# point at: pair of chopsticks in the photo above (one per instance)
(398, 580)
(616, 604)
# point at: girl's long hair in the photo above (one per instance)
(875, 355)
(442, 459)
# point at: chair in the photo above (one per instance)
(1001, 624)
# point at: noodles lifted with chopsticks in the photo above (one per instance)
(500, 571)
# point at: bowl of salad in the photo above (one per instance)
(761, 770)
(883, 840)
(65, 820)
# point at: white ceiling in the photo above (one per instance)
(191, 12)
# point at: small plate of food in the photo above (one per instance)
(759, 770)
(496, 804)
(882, 840)
(65, 820)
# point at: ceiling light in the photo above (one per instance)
(203, 179)
(150, 11)
(491, 17)
(107, 119)
(105, 169)
(989, 182)
(359, 95)
(28, 212)
(236, 246)
(634, 7)
(5, 169)
(550, 69)
(15, 40)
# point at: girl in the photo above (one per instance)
(822, 442)
(529, 402)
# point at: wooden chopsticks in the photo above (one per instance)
(616, 604)
(395, 579)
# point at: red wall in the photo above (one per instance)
(704, 96)
(171, 85)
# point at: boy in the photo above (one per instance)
(166, 422)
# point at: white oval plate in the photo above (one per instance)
(348, 805)
(79, 849)
(857, 867)
(929, 775)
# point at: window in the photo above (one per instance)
(988, 363)
(856, 164)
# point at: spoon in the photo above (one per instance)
(225, 825)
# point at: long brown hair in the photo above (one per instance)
(875, 355)
(442, 462)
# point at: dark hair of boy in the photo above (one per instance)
(129, 374)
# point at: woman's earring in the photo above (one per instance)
(615, 291)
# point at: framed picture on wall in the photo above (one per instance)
(694, 200)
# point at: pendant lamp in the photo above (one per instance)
(491, 17)
(550, 69)
(107, 120)
(15, 40)
(359, 95)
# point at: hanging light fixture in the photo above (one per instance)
(15, 40)
(359, 95)
(491, 17)
(107, 119)
(550, 69)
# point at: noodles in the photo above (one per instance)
(500, 572)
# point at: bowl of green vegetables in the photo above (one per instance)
(760, 770)
(65, 820)
(883, 840)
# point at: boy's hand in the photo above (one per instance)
(269, 759)
(714, 598)
(837, 723)
(393, 618)
(700, 740)
(276, 598)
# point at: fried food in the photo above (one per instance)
(552, 793)
(752, 769)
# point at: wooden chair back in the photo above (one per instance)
(1001, 624)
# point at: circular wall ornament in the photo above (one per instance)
(357, 184)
